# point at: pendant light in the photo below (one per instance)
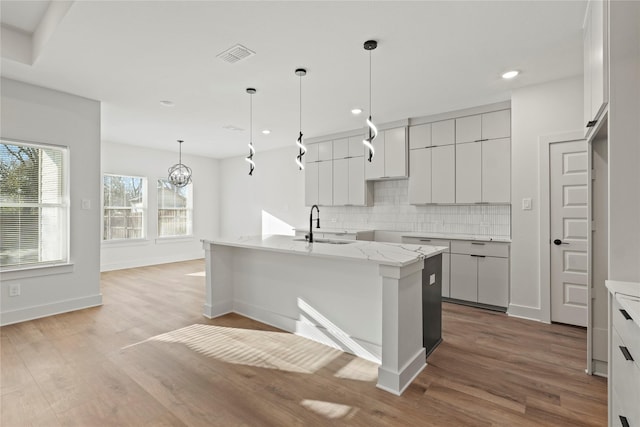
(179, 174)
(373, 130)
(300, 72)
(252, 151)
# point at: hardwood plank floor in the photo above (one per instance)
(148, 357)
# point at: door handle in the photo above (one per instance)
(559, 242)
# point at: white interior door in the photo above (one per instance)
(569, 231)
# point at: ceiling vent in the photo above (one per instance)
(235, 54)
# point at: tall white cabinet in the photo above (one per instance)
(596, 70)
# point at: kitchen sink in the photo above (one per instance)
(329, 241)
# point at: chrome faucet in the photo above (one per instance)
(311, 222)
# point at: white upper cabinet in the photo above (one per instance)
(443, 174)
(341, 181)
(420, 136)
(356, 147)
(443, 132)
(596, 70)
(359, 190)
(469, 172)
(420, 176)
(390, 160)
(325, 183)
(496, 171)
(311, 184)
(325, 151)
(341, 148)
(496, 124)
(468, 129)
(312, 153)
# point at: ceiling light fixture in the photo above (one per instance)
(510, 74)
(356, 111)
(370, 45)
(300, 72)
(252, 151)
(266, 131)
(167, 103)
(179, 174)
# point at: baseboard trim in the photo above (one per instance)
(397, 382)
(45, 310)
(525, 312)
(144, 262)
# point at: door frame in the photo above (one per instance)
(544, 195)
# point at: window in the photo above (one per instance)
(175, 209)
(124, 207)
(34, 208)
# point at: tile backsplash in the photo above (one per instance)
(391, 211)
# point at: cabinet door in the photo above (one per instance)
(374, 169)
(341, 148)
(496, 124)
(420, 136)
(596, 57)
(443, 133)
(357, 186)
(325, 183)
(468, 129)
(468, 172)
(311, 184)
(493, 281)
(496, 170)
(446, 261)
(464, 277)
(420, 176)
(340, 182)
(356, 147)
(443, 174)
(325, 150)
(395, 152)
(312, 153)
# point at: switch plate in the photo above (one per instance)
(526, 204)
(14, 290)
(86, 204)
(432, 279)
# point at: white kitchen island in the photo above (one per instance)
(362, 297)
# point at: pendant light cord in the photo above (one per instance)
(300, 77)
(251, 118)
(369, 84)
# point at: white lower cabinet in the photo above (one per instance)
(480, 272)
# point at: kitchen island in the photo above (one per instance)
(359, 296)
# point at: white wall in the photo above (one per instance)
(36, 114)
(277, 187)
(152, 164)
(541, 110)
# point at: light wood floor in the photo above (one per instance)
(147, 357)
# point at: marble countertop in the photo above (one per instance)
(333, 230)
(628, 295)
(394, 254)
(444, 236)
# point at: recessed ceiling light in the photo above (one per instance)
(167, 103)
(510, 74)
(356, 111)
(266, 131)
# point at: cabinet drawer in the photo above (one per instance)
(626, 380)
(480, 248)
(426, 241)
(627, 328)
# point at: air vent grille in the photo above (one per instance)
(235, 54)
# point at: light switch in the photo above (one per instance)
(432, 279)
(86, 204)
(526, 204)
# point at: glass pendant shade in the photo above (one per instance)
(180, 174)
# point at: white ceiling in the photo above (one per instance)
(432, 57)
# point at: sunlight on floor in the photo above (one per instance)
(359, 370)
(328, 409)
(264, 349)
(198, 274)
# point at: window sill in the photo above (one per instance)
(125, 242)
(175, 239)
(36, 271)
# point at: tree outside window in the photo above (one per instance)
(124, 207)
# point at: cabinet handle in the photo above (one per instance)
(625, 314)
(479, 256)
(591, 123)
(481, 140)
(623, 421)
(425, 240)
(625, 352)
(477, 243)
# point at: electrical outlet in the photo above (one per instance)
(14, 290)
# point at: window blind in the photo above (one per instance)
(124, 206)
(175, 209)
(34, 207)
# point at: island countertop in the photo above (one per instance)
(394, 254)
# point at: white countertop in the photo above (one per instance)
(628, 295)
(444, 236)
(333, 230)
(394, 254)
